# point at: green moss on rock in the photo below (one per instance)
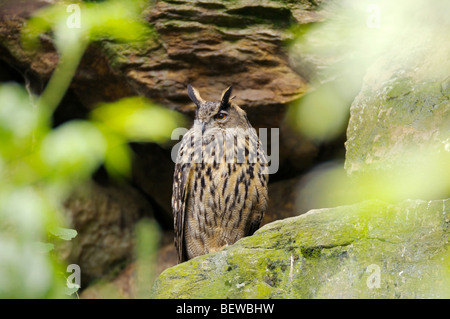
(367, 250)
(403, 108)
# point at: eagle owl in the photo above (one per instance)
(220, 180)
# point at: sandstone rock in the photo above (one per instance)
(220, 43)
(210, 44)
(153, 175)
(403, 108)
(367, 250)
(104, 217)
(124, 284)
(282, 204)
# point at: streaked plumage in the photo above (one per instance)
(220, 180)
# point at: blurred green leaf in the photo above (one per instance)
(24, 210)
(147, 238)
(424, 175)
(17, 116)
(39, 166)
(70, 291)
(335, 53)
(321, 114)
(116, 20)
(137, 119)
(73, 149)
(20, 122)
(24, 272)
(64, 233)
(43, 247)
(118, 157)
(41, 23)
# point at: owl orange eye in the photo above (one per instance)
(221, 116)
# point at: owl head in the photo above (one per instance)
(218, 115)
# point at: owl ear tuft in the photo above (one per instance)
(225, 100)
(194, 95)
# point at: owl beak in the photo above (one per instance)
(203, 127)
(200, 125)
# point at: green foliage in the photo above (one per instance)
(39, 166)
(73, 150)
(424, 175)
(137, 119)
(64, 233)
(134, 119)
(148, 236)
(397, 48)
(353, 35)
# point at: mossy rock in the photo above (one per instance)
(367, 250)
(403, 108)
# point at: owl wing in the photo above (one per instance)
(261, 179)
(259, 206)
(180, 195)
